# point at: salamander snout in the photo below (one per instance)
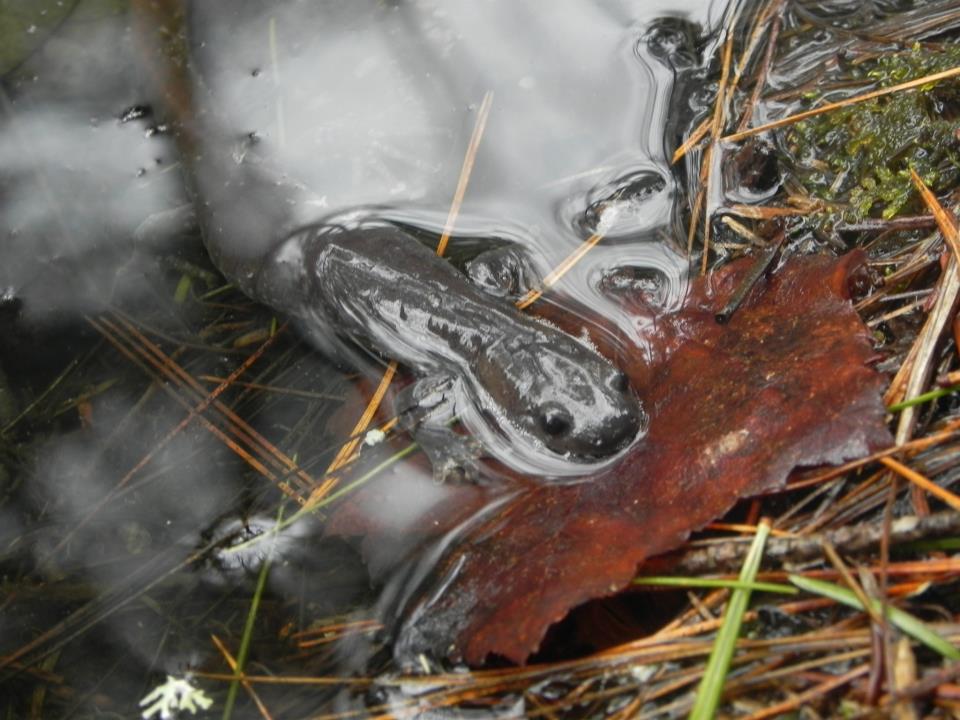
(609, 423)
(568, 397)
(599, 430)
(588, 410)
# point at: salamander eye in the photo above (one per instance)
(555, 420)
(618, 382)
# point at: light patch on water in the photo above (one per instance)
(76, 181)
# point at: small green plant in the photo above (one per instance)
(860, 156)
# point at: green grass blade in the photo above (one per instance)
(688, 582)
(906, 622)
(248, 629)
(926, 397)
(947, 544)
(711, 687)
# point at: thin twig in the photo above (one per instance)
(719, 118)
(251, 691)
(923, 483)
(348, 449)
(852, 539)
(757, 270)
(934, 329)
(776, 10)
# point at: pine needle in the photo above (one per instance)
(920, 481)
(906, 622)
(559, 271)
(783, 122)
(349, 448)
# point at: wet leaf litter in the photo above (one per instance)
(733, 408)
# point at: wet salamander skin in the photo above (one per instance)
(377, 284)
(382, 287)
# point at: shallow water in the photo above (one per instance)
(360, 110)
(555, 166)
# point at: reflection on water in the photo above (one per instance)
(373, 103)
(352, 109)
(354, 104)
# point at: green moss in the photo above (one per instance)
(860, 156)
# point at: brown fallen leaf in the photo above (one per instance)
(733, 410)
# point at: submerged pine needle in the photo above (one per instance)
(251, 691)
(349, 448)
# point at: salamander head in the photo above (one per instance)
(561, 392)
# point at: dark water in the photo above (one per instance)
(366, 108)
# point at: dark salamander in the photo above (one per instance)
(378, 286)
(382, 287)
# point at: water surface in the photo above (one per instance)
(366, 108)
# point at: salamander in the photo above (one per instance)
(375, 284)
(381, 286)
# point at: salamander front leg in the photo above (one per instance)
(426, 410)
